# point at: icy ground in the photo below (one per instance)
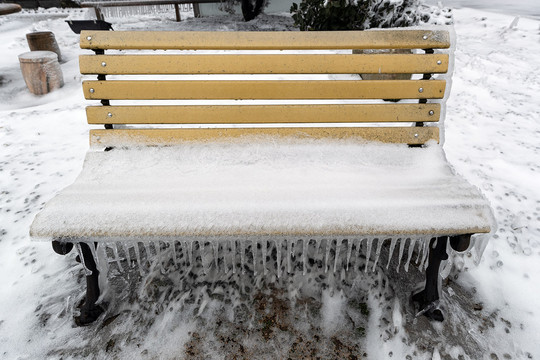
(492, 310)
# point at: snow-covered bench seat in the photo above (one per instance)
(317, 155)
(263, 187)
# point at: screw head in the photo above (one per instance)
(88, 38)
(416, 135)
(109, 114)
(104, 64)
(431, 112)
(421, 90)
(439, 62)
(424, 37)
(92, 91)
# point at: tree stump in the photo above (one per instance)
(41, 71)
(43, 41)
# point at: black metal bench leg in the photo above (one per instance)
(89, 311)
(427, 298)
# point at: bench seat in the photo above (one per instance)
(274, 187)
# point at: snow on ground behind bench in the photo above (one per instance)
(493, 105)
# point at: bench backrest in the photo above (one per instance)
(305, 84)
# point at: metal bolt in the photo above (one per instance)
(104, 64)
(92, 91)
(421, 90)
(88, 38)
(109, 114)
(439, 62)
(431, 112)
(416, 135)
(424, 37)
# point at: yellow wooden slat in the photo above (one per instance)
(131, 137)
(254, 114)
(264, 64)
(275, 40)
(340, 89)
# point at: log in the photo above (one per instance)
(41, 71)
(6, 9)
(43, 41)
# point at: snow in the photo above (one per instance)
(38, 56)
(264, 186)
(491, 140)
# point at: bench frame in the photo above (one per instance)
(427, 298)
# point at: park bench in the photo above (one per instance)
(232, 137)
(99, 5)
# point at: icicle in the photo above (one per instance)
(420, 248)
(328, 244)
(337, 257)
(233, 245)
(174, 255)
(138, 256)
(349, 252)
(103, 268)
(304, 255)
(203, 257)
(216, 254)
(242, 256)
(191, 255)
(447, 264)
(278, 260)
(264, 245)
(87, 271)
(116, 259)
(226, 250)
(378, 252)
(392, 247)
(94, 253)
(409, 256)
(426, 252)
(317, 247)
(357, 256)
(128, 257)
(289, 255)
(401, 249)
(160, 259)
(148, 253)
(368, 255)
(254, 252)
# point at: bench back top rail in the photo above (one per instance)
(275, 40)
(198, 82)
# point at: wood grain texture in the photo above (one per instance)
(255, 114)
(264, 64)
(275, 40)
(271, 90)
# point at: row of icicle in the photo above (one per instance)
(277, 256)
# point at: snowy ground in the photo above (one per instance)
(493, 124)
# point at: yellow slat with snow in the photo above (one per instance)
(135, 137)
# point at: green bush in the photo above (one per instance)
(322, 15)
